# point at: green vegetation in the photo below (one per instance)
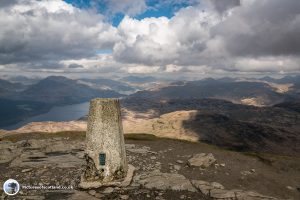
(71, 135)
(140, 136)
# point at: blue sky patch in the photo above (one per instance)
(155, 8)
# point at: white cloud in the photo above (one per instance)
(173, 68)
(51, 30)
(50, 6)
(142, 69)
(161, 41)
(258, 32)
(257, 36)
(268, 64)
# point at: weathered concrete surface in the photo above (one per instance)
(105, 136)
(96, 184)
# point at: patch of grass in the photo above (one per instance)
(140, 136)
(72, 135)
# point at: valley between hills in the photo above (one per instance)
(205, 147)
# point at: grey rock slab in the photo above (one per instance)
(108, 190)
(129, 146)
(179, 161)
(79, 195)
(26, 170)
(33, 143)
(164, 181)
(203, 186)
(250, 195)
(177, 167)
(142, 150)
(202, 160)
(98, 195)
(92, 192)
(217, 191)
(40, 159)
(222, 194)
(125, 197)
(9, 151)
(64, 146)
(217, 185)
(32, 197)
(8, 154)
(290, 187)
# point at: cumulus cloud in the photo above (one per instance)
(262, 28)
(5, 3)
(250, 30)
(161, 41)
(222, 6)
(267, 64)
(51, 30)
(209, 36)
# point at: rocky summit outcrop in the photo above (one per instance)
(164, 169)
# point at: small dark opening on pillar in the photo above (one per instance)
(102, 158)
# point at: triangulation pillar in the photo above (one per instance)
(105, 148)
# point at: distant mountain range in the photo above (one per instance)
(7, 88)
(286, 79)
(253, 92)
(139, 79)
(25, 101)
(24, 80)
(103, 83)
(59, 90)
(243, 114)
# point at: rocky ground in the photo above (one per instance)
(164, 169)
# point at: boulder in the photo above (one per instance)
(202, 160)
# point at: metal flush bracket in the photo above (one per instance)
(102, 159)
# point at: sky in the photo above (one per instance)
(150, 37)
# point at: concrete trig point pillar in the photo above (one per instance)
(105, 151)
